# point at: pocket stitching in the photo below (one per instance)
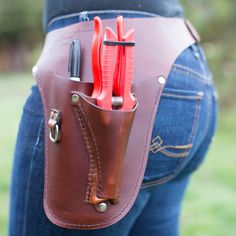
(174, 155)
(158, 148)
(171, 176)
(190, 97)
(195, 75)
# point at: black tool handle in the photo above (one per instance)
(74, 59)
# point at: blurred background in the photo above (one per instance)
(210, 203)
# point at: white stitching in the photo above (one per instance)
(96, 146)
(181, 96)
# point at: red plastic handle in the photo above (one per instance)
(96, 57)
(119, 55)
(127, 75)
(108, 56)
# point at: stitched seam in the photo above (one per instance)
(174, 155)
(66, 16)
(196, 117)
(157, 182)
(91, 155)
(96, 147)
(208, 115)
(37, 143)
(182, 96)
(193, 72)
(186, 71)
(172, 146)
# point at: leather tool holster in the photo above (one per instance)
(95, 158)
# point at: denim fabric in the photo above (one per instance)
(183, 129)
(55, 8)
(63, 21)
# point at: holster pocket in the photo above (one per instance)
(105, 134)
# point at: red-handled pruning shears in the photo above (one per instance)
(113, 70)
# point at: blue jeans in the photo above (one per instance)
(184, 126)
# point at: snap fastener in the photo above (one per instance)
(75, 98)
(161, 79)
(102, 207)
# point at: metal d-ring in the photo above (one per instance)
(54, 134)
(54, 124)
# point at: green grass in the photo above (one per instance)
(210, 204)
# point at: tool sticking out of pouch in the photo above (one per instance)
(74, 60)
(112, 66)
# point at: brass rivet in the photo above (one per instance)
(102, 207)
(75, 98)
(161, 80)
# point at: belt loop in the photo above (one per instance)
(83, 16)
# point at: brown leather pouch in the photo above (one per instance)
(105, 134)
(95, 170)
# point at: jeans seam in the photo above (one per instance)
(37, 143)
(207, 115)
(157, 182)
(123, 11)
(195, 121)
(164, 94)
(101, 11)
(154, 150)
(174, 155)
(195, 75)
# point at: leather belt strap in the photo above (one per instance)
(159, 41)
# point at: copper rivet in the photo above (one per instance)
(161, 79)
(102, 207)
(75, 98)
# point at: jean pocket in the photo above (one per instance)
(173, 132)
